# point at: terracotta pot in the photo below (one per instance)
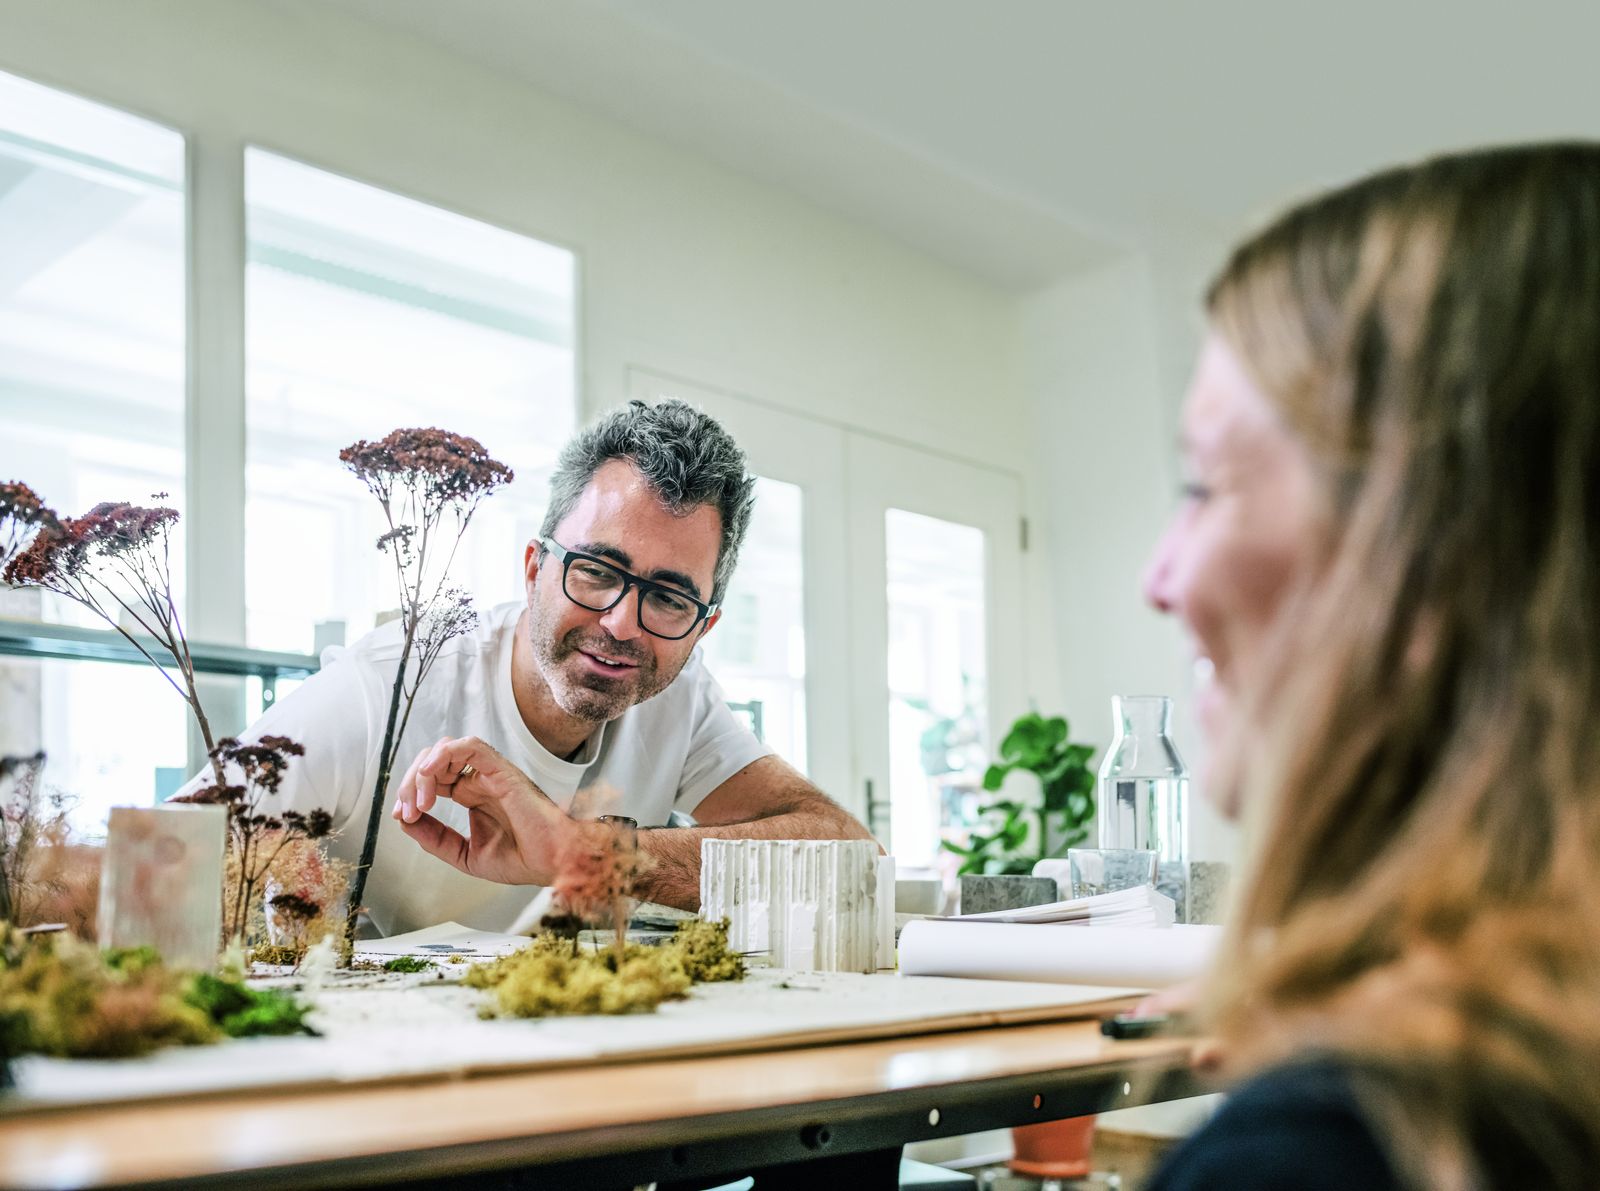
(1053, 1150)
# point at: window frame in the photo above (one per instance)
(215, 245)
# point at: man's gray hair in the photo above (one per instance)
(686, 456)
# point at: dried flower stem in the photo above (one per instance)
(24, 824)
(427, 483)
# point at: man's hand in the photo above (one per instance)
(517, 833)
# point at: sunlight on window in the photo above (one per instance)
(757, 651)
(92, 363)
(92, 321)
(108, 731)
(367, 311)
(938, 694)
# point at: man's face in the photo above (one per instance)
(599, 664)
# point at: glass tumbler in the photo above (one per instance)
(1094, 871)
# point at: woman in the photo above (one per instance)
(1389, 553)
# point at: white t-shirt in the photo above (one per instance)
(661, 755)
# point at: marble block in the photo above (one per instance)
(810, 905)
(980, 894)
(162, 882)
(1208, 890)
(1172, 879)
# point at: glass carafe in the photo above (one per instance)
(1144, 790)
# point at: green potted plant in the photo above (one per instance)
(1014, 835)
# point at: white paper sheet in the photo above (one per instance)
(1140, 957)
(1140, 906)
(448, 938)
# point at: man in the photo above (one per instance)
(589, 697)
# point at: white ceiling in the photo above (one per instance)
(1023, 139)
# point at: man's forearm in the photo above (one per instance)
(672, 877)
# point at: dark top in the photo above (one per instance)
(1293, 1128)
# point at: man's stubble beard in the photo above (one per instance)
(593, 697)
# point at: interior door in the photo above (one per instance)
(777, 649)
(936, 640)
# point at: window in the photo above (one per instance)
(938, 704)
(91, 304)
(757, 651)
(92, 359)
(366, 312)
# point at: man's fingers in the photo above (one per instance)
(427, 777)
(443, 770)
(405, 807)
(435, 838)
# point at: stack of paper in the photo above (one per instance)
(441, 941)
(1140, 906)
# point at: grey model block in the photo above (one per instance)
(979, 895)
(1208, 890)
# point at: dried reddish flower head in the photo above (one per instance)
(21, 504)
(62, 549)
(116, 527)
(24, 519)
(44, 557)
(295, 906)
(263, 762)
(311, 824)
(451, 467)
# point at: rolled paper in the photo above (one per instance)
(1059, 953)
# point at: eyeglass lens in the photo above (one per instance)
(598, 587)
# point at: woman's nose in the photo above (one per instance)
(1157, 579)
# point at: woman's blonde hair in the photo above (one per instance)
(1423, 757)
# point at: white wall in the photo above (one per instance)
(687, 267)
(1094, 355)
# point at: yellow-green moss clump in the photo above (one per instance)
(63, 997)
(703, 948)
(549, 978)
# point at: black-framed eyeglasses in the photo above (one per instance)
(598, 585)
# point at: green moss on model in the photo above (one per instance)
(63, 997)
(703, 949)
(407, 963)
(549, 978)
(244, 1012)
